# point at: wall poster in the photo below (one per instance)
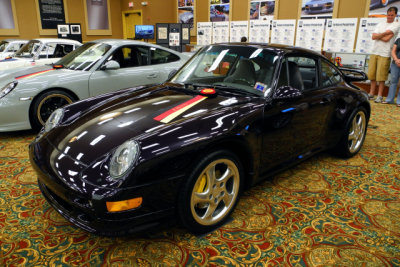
(219, 10)
(364, 37)
(204, 33)
(340, 35)
(186, 12)
(321, 9)
(6, 15)
(220, 32)
(377, 10)
(51, 13)
(259, 31)
(283, 31)
(310, 33)
(262, 9)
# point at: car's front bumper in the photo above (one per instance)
(88, 211)
(14, 114)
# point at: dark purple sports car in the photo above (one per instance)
(234, 114)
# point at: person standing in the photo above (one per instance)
(394, 74)
(379, 61)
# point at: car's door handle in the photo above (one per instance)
(153, 75)
(325, 100)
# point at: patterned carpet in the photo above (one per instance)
(324, 212)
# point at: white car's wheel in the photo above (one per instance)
(45, 104)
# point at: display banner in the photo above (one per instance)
(239, 29)
(310, 33)
(318, 9)
(51, 13)
(219, 10)
(262, 9)
(377, 10)
(259, 31)
(364, 37)
(340, 35)
(204, 33)
(283, 31)
(186, 12)
(220, 32)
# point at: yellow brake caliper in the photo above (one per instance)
(202, 184)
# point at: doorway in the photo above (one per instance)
(129, 20)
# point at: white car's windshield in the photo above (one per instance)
(84, 57)
(3, 45)
(246, 69)
(29, 49)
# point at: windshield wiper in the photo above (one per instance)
(235, 90)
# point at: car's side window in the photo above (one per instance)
(329, 75)
(159, 56)
(14, 47)
(307, 67)
(131, 56)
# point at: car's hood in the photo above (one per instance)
(35, 74)
(13, 62)
(143, 115)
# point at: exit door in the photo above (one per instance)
(130, 19)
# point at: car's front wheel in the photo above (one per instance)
(45, 104)
(354, 135)
(211, 192)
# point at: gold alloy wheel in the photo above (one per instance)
(50, 103)
(357, 131)
(215, 192)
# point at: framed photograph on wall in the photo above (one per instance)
(8, 18)
(97, 17)
(219, 10)
(63, 29)
(186, 14)
(75, 29)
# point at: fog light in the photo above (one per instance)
(124, 204)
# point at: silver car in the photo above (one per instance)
(97, 67)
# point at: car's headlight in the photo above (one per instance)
(123, 159)
(8, 88)
(54, 119)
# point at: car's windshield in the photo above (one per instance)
(245, 68)
(29, 49)
(85, 56)
(3, 45)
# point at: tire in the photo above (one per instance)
(384, 2)
(45, 104)
(206, 201)
(354, 135)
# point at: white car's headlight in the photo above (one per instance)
(8, 88)
(123, 158)
(54, 119)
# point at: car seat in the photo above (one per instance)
(295, 79)
(243, 74)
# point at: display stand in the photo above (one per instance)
(173, 35)
(70, 31)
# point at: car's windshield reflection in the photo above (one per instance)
(241, 69)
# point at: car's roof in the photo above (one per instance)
(55, 40)
(119, 42)
(277, 47)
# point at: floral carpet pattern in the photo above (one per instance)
(324, 212)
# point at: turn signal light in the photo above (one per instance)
(124, 204)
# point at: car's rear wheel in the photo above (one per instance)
(45, 104)
(211, 192)
(354, 135)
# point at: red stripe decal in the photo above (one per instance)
(24, 76)
(180, 106)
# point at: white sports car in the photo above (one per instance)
(39, 52)
(97, 67)
(10, 46)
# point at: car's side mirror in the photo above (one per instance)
(353, 75)
(172, 73)
(287, 92)
(110, 65)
